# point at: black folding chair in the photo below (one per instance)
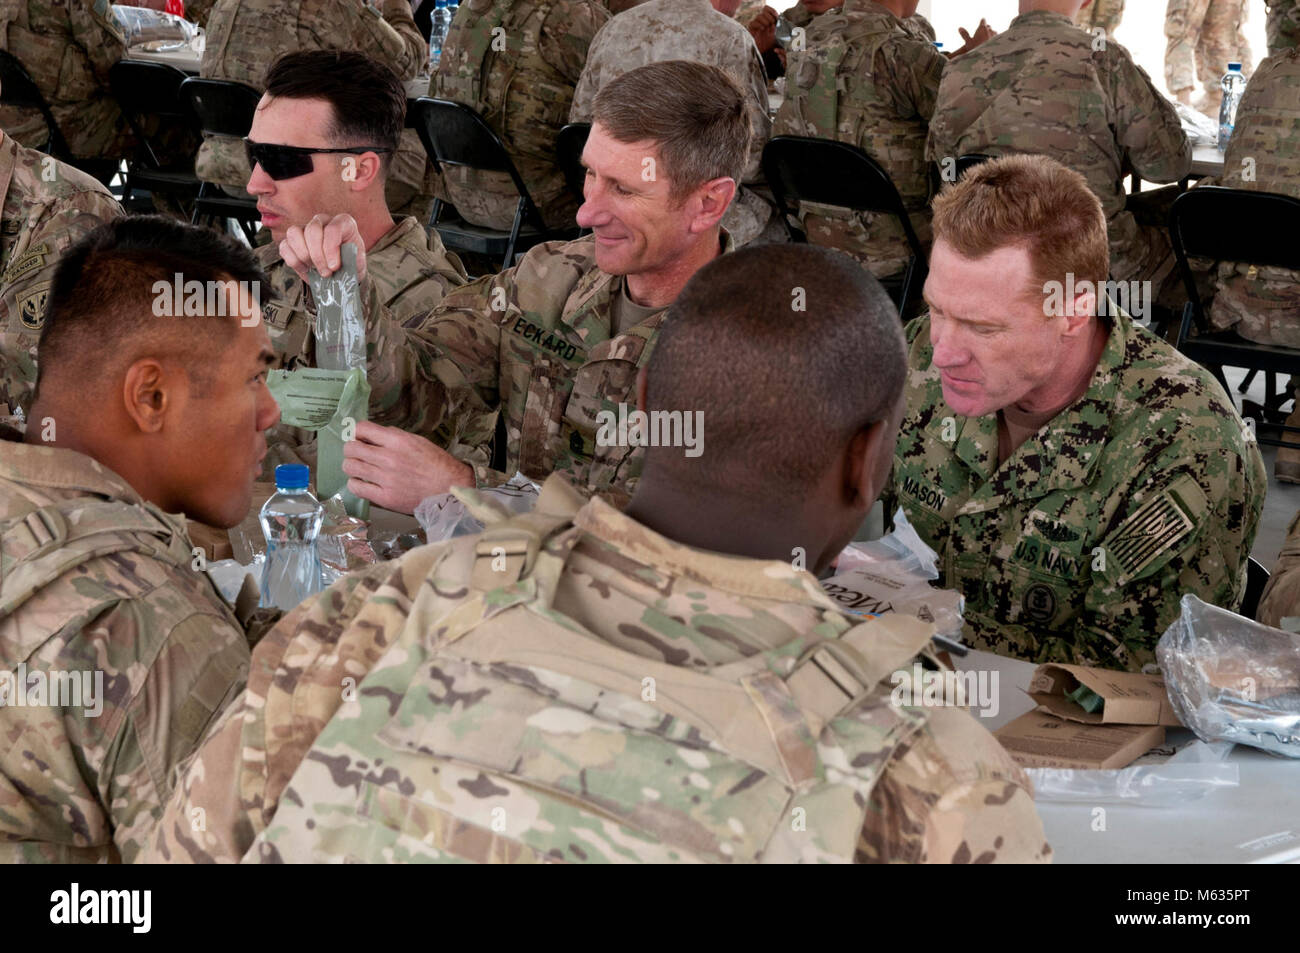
(1256, 582)
(153, 89)
(454, 134)
(1207, 223)
(223, 108)
(568, 153)
(17, 88)
(801, 169)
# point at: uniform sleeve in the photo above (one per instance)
(388, 34)
(584, 95)
(1147, 126)
(952, 795)
(567, 35)
(916, 69)
(1281, 598)
(96, 31)
(760, 119)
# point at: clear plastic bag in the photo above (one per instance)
(141, 25)
(1232, 679)
(446, 516)
(1196, 770)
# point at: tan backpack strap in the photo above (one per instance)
(507, 549)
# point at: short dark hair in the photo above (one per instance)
(100, 315)
(367, 98)
(694, 112)
(788, 350)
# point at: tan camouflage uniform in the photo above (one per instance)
(867, 79)
(1281, 598)
(536, 344)
(408, 274)
(689, 30)
(516, 63)
(1078, 547)
(1105, 14)
(1040, 87)
(48, 207)
(198, 11)
(1203, 37)
(629, 699)
(95, 580)
(245, 37)
(1283, 25)
(67, 48)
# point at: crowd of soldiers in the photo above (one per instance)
(644, 667)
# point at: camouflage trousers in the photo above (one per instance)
(875, 239)
(489, 199)
(1283, 27)
(1281, 598)
(1261, 304)
(1203, 37)
(93, 130)
(1105, 14)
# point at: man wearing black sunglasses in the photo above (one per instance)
(319, 147)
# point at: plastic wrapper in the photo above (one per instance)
(894, 574)
(1201, 129)
(446, 515)
(1232, 679)
(1195, 771)
(154, 29)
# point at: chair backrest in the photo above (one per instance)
(970, 160)
(1254, 228)
(150, 89)
(222, 107)
(1256, 581)
(832, 173)
(568, 153)
(17, 88)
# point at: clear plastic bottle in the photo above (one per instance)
(1234, 84)
(290, 522)
(439, 23)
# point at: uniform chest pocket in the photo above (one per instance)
(600, 386)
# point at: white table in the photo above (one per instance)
(1258, 819)
(1207, 160)
(186, 59)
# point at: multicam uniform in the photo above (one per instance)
(1040, 87)
(48, 207)
(865, 78)
(96, 583)
(1078, 547)
(1105, 14)
(611, 697)
(689, 30)
(1283, 25)
(1204, 36)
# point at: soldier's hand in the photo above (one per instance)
(983, 33)
(396, 470)
(317, 245)
(763, 29)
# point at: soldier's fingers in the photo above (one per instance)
(364, 470)
(369, 491)
(377, 434)
(314, 235)
(964, 35)
(340, 230)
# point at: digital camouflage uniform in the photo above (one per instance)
(244, 37)
(1105, 14)
(689, 30)
(1078, 547)
(95, 580)
(516, 62)
(527, 358)
(407, 273)
(48, 207)
(1263, 304)
(866, 79)
(1283, 25)
(1040, 87)
(628, 699)
(67, 48)
(1203, 37)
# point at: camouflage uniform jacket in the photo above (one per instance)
(527, 359)
(495, 751)
(516, 62)
(865, 78)
(76, 784)
(1040, 87)
(407, 275)
(1264, 303)
(41, 220)
(1078, 547)
(1283, 25)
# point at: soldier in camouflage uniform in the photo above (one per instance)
(67, 49)
(516, 63)
(245, 37)
(1040, 87)
(1104, 14)
(1204, 36)
(698, 31)
(1283, 25)
(48, 206)
(100, 588)
(1075, 474)
(619, 694)
(866, 79)
(529, 357)
(1281, 597)
(323, 98)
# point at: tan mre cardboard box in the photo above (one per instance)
(1041, 740)
(1129, 698)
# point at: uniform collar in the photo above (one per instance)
(867, 7)
(56, 468)
(398, 235)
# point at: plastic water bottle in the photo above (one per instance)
(290, 522)
(1234, 84)
(439, 23)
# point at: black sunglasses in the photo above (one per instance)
(289, 162)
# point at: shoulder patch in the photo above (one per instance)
(32, 261)
(1158, 526)
(31, 307)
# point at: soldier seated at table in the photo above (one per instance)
(116, 651)
(529, 359)
(643, 686)
(320, 148)
(1075, 474)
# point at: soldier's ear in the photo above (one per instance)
(711, 202)
(145, 396)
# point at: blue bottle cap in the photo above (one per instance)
(292, 476)
(1234, 66)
